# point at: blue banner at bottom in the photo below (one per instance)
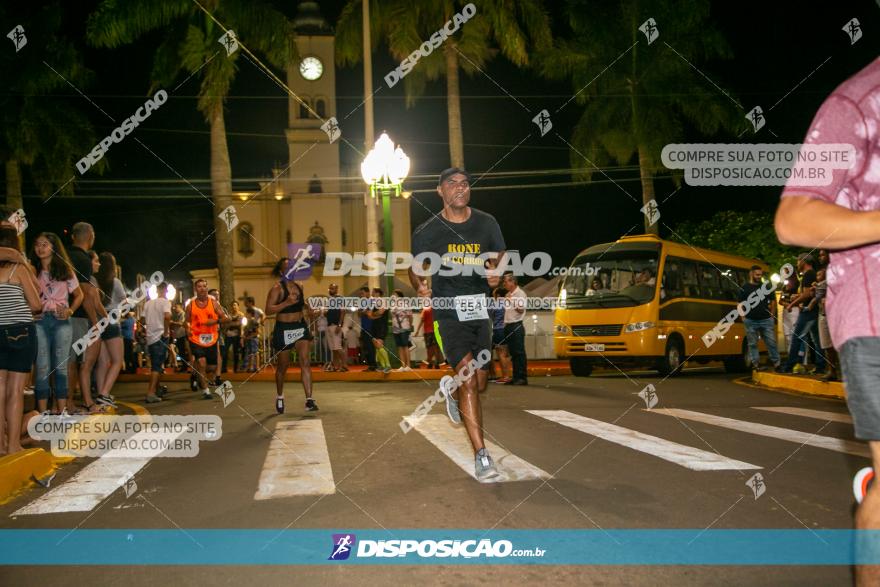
(438, 547)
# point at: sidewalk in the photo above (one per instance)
(803, 384)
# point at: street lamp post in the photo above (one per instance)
(384, 169)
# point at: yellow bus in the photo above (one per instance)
(649, 303)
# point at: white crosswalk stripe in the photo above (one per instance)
(89, 487)
(808, 413)
(297, 462)
(453, 442)
(686, 456)
(858, 449)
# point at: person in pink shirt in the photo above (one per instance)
(60, 296)
(844, 217)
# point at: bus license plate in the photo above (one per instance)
(594, 348)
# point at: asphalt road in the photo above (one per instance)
(383, 478)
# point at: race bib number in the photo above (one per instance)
(471, 307)
(291, 336)
(206, 339)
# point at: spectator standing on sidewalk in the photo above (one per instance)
(789, 313)
(126, 326)
(514, 331)
(157, 316)
(760, 321)
(824, 332)
(806, 329)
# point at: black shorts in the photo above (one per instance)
(18, 347)
(498, 338)
(112, 331)
(209, 353)
(379, 328)
(287, 334)
(401, 339)
(458, 339)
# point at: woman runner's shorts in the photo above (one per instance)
(286, 334)
(458, 339)
(860, 364)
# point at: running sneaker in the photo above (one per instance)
(153, 399)
(451, 407)
(311, 405)
(279, 404)
(484, 466)
(862, 482)
(799, 369)
(105, 401)
(206, 394)
(163, 389)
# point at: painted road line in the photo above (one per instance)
(297, 462)
(858, 449)
(89, 487)
(453, 442)
(807, 413)
(680, 454)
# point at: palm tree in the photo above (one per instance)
(190, 46)
(648, 94)
(42, 132)
(513, 27)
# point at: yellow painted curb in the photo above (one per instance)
(16, 471)
(800, 384)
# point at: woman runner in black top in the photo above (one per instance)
(287, 301)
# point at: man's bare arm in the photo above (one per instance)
(807, 222)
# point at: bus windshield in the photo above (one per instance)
(611, 279)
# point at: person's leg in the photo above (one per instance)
(303, 348)
(103, 367)
(767, 331)
(43, 362)
(236, 353)
(816, 345)
(468, 398)
(515, 334)
(797, 343)
(282, 360)
(4, 429)
(752, 329)
(60, 359)
(90, 356)
(113, 351)
(15, 383)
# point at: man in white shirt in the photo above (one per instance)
(157, 314)
(514, 332)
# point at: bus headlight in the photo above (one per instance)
(638, 326)
(562, 329)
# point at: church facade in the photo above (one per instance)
(312, 199)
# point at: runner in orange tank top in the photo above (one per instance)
(203, 318)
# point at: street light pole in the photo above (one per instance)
(372, 225)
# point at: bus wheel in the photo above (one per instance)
(738, 363)
(580, 367)
(673, 358)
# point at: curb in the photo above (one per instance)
(17, 470)
(800, 384)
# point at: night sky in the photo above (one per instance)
(775, 45)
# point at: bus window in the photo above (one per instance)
(689, 284)
(730, 283)
(672, 286)
(710, 285)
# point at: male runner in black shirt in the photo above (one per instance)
(459, 235)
